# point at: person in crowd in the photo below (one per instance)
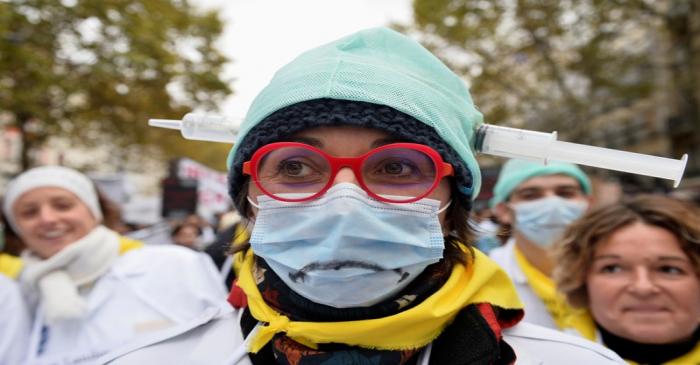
(485, 228)
(15, 323)
(353, 170)
(90, 289)
(186, 234)
(538, 202)
(206, 231)
(634, 266)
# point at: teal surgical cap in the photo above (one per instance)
(379, 66)
(515, 172)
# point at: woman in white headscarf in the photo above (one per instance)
(89, 288)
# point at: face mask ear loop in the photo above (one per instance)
(251, 202)
(445, 207)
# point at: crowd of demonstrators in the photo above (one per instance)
(354, 173)
(356, 240)
(633, 267)
(87, 288)
(538, 202)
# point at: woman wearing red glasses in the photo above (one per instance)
(355, 171)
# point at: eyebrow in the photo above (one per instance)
(673, 258)
(556, 187)
(307, 140)
(603, 257)
(319, 144)
(660, 258)
(385, 141)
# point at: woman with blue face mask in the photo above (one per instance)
(538, 202)
(354, 173)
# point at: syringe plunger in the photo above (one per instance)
(201, 127)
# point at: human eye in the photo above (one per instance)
(569, 192)
(611, 268)
(528, 194)
(28, 212)
(396, 170)
(63, 204)
(671, 270)
(297, 169)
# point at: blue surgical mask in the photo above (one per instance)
(544, 220)
(347, 249)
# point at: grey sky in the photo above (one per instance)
(263, 35)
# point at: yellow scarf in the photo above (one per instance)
(128, 244)
(11, 266)
(563, 314)
(483, 282)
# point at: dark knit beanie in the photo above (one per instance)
(295, 118)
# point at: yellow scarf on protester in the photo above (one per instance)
(11, 266)
(563, 314)
(127, 244)
(482, 282)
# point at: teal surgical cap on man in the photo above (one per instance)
(514, 172)
(378, 66)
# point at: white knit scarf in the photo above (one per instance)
(58, 278)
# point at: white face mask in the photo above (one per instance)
(542, 221)
(346, 249)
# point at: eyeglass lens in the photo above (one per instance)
(303, 172)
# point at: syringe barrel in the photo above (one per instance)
(204, 127)
(514, 143)
(611, 159)
(544, 147)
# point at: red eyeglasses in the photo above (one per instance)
(395, 173)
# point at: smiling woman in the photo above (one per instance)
(89, 288)
(50, 218)
(635, 266)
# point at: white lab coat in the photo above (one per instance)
(14, 323)
(146, 290)
(216, 339)
(535, 310)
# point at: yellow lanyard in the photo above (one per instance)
(563, 314)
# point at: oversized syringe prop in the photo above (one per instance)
(490, 139)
